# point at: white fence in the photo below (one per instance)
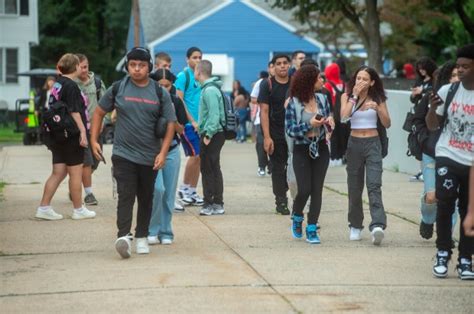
(398, 105)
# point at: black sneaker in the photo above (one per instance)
(282, 209)
(464, 271)
(90, 199)
(426, 230)
(440, 268)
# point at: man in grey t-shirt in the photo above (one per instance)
(137, 153)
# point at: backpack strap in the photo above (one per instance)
(188, 80)
(98, 85)
(449, 98)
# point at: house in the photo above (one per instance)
(238, 36)
(18, 32)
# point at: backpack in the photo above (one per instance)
(415, 147)
(230, 125)
(161, 124)
(58, 124)
(98, 85)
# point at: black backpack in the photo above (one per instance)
(415, 141)
(230, 125)
(58, 125)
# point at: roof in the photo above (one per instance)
(185, 13)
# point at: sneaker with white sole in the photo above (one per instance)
(218, 209)
(142, 246)
(440, 268)
(84, 213)
(152, 240)
(261, 172)
(464, 269)
(48, 214)
(90, 199)
(193, 199)
(355, 234)
(377, 235)
(166, 241)
(123, 245)
(178, 208)
(206, 210)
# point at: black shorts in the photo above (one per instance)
(69, 153)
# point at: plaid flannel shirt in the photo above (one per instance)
(296, 129)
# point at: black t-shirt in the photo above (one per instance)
(70, 93)
(275, 98)
(181, 116)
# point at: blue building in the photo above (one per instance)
(239, 37)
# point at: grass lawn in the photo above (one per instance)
(7, 134)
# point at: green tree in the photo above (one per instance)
(363, 16)
(96, 28)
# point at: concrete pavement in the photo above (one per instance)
(243, 261)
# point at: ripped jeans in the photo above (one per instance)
(428, 211)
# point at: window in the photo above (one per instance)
(8, 65)
(9, 7)
(24, 7)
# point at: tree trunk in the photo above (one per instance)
(374, 49)
(468, 24)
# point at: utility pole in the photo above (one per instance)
(136, 23)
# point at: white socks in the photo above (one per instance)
(44, 208)
(88, 190)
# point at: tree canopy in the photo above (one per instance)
(96, 28)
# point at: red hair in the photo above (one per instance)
(302, 83)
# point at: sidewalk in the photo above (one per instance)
(243, 261)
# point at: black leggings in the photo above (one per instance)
(310, 174)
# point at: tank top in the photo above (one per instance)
(364, 119)
(306, 117)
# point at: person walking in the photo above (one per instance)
(262, 157)
(364, 104)
(445, 75)
(272, 98)
(211, 120)
(137, 153)
(454, 156)
(308, 116)
(67, 148)
(164, 197)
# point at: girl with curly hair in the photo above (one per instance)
(364, 104)
(309, 123)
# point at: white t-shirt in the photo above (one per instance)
(457, 139)
(254, 94)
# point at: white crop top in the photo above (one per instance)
(366, 119)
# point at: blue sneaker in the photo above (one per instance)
(312, 235)
(297, 226)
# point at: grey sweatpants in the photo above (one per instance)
(365, 155)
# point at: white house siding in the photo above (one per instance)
(17, 31)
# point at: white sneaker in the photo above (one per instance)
(142, 246)
(166, 241)
(193, 199)
(83, 214)
(218, 209)
(377, 235)
(355, 234)
(48, 214)
(153, 240)
(178, 207)
(123, 245)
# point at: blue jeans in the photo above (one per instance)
(164, 196)
(428, 211)
(242, 131)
